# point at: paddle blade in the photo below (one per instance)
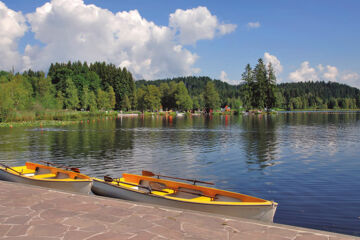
(147, 173)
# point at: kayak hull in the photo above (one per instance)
(257, 212)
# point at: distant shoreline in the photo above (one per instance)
(97, 117)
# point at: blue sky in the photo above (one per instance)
(305, 40)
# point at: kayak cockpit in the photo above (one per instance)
(185, 192)
(39, 171)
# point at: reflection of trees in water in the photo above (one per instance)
(98, 141)
(259, 140)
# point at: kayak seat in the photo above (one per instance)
(152, 185)
(45, 176)
(186, 193)
(60, 175)
(40, 171)
(157, 186)
(222, 198)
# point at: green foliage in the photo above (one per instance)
(92, 102)
(71, 99)
(112, 99)
(211, 97)
(126, 104)
(182, 98)
(198, 102)
(152, 98)
(84, 98)
(102, 100)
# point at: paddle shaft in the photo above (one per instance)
(65, 167)
(131, 184)
(148, 173)
(110, 179)
(7, 167)
(198, 194)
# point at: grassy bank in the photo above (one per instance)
(51, 118)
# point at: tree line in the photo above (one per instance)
(101, 86)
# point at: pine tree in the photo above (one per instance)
(270, 100)
(260, 75)
(248, 88)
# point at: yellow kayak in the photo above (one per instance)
(47, 176)
(183, 195)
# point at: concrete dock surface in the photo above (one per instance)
(29, 212)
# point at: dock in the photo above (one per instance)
(29, 212)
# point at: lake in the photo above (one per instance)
(308, 162)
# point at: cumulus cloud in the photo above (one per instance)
(253, 24)
(330, 74)
(196, 24)
(351, 78)
(73, 30)
(268, 58)
(304, 73)
(224, 77)
(12, 28)
(327, 73)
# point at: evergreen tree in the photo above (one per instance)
(260, 75)
(270, 100)
(249, 87)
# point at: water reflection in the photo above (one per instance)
(260, 140)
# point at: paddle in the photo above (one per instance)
(7, 167)
(151, 174)
(77, 170)
(110, 179)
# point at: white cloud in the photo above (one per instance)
(73, 30)
(330, 73)
(327, 73)
(253, 24)
(268, 58)
(224, 77)
(12, 28)
(351, 78)
(196, 24)
(304, 73)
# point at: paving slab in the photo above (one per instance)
(29, 212)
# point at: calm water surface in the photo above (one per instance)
(307, 162)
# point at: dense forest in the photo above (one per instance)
(101, 86)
